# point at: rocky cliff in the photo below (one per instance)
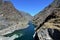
(48, 21)
(11, 19)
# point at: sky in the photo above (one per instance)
(31, 6)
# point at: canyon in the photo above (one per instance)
(46, 23)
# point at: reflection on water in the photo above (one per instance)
(24, 34)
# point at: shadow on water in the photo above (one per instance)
(27, 34)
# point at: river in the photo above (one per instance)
(23, 34)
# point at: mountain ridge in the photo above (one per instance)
(48, 22)
(11, 19)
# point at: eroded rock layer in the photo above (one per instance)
(49, 18)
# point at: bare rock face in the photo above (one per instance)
(11, 19)
(47, 19)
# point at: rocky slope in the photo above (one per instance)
(47, 21)
(11, 19)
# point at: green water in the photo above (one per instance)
(24, 34)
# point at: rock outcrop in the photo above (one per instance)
(11, 19)
(47, 20)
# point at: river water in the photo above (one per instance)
(24, 34)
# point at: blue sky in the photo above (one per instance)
(31, 6)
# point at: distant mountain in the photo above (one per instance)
(11, 19)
